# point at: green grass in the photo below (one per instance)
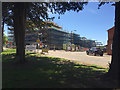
(47, 72)
(9, 51)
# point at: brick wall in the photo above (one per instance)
(110, 40)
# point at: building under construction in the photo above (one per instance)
(53, 36)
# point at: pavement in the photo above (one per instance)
(81, 57)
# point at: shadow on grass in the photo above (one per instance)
(48, 72)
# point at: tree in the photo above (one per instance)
(114, 71)
(6, 16)
(4, 39)
(19, 26)
(37, 12)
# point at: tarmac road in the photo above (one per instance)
(81, 57)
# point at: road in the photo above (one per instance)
(81, 57)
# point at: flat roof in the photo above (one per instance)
(111, 28)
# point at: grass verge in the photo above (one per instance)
(48, 72)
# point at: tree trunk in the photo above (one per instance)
(114, 71)
(16, 37)
(19, 29)
(3, 31)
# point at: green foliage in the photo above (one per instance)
(7, 12)
(62, 7)
(10, 50)
(102, 3)
(13, 51)
(73, 45)
(4, 39)
(37, 12)
(64, 46)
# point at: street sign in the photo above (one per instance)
(40, 44)
(38, 40)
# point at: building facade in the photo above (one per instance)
(56, 38)
(10, 36)
(74, 38)
(53, 36)
(31, 37)
(110, 40)
(84, 42)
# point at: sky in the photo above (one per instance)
(91, 22)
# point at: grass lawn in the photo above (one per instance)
(48, 72)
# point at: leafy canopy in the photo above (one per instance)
(37, 12)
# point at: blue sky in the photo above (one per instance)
(91, 22)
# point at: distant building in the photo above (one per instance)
(10, 36)
(74, 38)
(31, 37)
(56, 37)
(84, 42)
(110, 40)
(83, 38)
(92, 43)
(53, 36)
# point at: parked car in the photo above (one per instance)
(95, 51)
